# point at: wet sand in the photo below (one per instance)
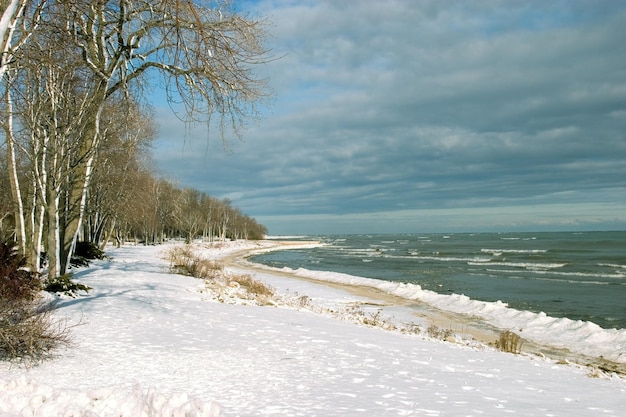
(469, 327)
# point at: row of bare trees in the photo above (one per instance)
(164, 210)
(74, 74)
(126, 202)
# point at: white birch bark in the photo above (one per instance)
(40, 180)
(15, 184)
(81, 213)
(11, 15)
(54, 258)
(7, 27)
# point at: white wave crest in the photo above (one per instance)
(501, 251)
(525, 265)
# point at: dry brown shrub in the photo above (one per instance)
(179, 257)
(411, 328)
(509, 342)
(377, 320)
(17, 283)
(304, 301)
(439, 333)
(29, 332)
(252, 285)
(184, 261)
(206, 268)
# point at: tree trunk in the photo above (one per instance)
(78, 188)
(108, 234)
(38, 235)
(7, 26)
(54, 247)
(16, 193)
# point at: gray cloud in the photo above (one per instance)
(399, 106)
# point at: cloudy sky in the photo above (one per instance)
(426, 116)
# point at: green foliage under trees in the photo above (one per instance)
(86, 251)
(65, 285)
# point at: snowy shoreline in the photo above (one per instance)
(578, 337)
(152, 343)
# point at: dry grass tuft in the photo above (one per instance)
(225, 287)
(377, 320)
(183, 260)
(439, 333)
(509, 342)
(260, 289)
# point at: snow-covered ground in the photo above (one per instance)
(580, 337)
(155, 344)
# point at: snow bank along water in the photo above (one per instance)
(582, 337)
(581, 276)
(578, 336)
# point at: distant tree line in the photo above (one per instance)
(73, 77)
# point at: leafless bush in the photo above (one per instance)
(205, 268)
(184, 261)
(179, 256)
(29, 332)
(354, 312)
(252, 285)
(439, 333)
(411, 328)
(377, 320)
(304, 301)
(17, 283)
(509, 342)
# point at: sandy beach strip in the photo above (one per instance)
(469, 327)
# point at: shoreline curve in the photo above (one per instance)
(476, 328)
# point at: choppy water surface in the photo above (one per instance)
(581, 276)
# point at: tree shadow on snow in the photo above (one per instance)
(88, 298)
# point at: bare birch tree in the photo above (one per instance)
(203, 51)
(18, 22)
(128, 130)
(51, 95)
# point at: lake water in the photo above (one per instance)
(581, 276)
